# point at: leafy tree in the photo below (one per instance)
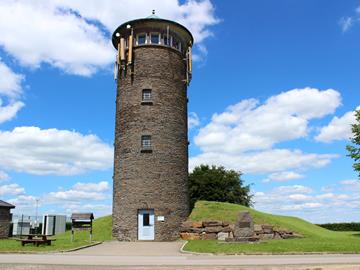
(354, 150)
(218, 184)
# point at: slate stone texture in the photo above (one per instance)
(155, 179)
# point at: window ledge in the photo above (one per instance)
(147, 102)
(146, 150)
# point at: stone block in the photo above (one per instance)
(212, 223)
(196, 224)
(268, 228)
(213, 229)
(190, 236)
(222, 236)
(226, 229)
(209, 236)
(257, 228)
(225, 223)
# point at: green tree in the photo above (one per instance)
(218, 184)
(354, 149)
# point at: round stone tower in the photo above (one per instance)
(153, 70)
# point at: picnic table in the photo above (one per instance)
(36, 239)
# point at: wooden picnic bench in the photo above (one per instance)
(36, 239)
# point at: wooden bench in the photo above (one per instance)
(36, 239)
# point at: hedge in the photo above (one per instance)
(353, 226)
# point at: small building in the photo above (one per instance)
(5, 218)
(53, 224)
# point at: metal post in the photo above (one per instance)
(22, 222)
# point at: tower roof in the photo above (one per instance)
(152, 18)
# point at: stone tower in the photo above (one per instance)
(153, 70)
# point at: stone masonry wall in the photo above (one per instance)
(5, 218)
(156, 180)
(222, 230)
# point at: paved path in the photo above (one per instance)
(142, 254)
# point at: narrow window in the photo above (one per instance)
(146, 95)
(146, 142)
(166, 42)
(146, 219)
(175, 43)
(155, 38)
(141, 39)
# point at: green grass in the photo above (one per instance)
(316, 239)
(101, 232)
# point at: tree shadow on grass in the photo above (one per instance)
(356, 234)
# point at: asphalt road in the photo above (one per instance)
(142, 255)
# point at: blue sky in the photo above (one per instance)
(274, 88)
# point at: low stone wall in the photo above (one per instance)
(265, 231)
(206, 230)
(222, 230)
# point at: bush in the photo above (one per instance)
(218, 184)
(353, 226)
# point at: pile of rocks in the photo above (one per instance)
(206, 230)
(264, 232)
(244, 230)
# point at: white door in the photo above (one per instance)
(146, 225)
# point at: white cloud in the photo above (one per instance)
(80, 192)
(338, 129)
(11, 189)
(95, 187)
(293, 189)
(193, 120)
(69, 34)
(52, 151)
(4, 176)
(303, 201)
(24, 203)
(10, 82)
(242, 137)
(284, 176)
(346, 23)
(268, 161)
(250, 126)
(75, 195)
(10, 92)
(302, 206)
(352, 185)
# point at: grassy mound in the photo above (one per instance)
(101, 232)
(316, 239)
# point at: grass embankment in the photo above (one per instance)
(101, 232)
(316, 239)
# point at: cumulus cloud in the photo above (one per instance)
(305, 202)
(352, 185)
(244, 135)
(284, 176)
(338, 129)
(12, 189)
(81, 192)
(268, 161)
(10, 92)
(95, 187)
(52, 151)
(74, 35)
(193, 120)
(249, 125)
